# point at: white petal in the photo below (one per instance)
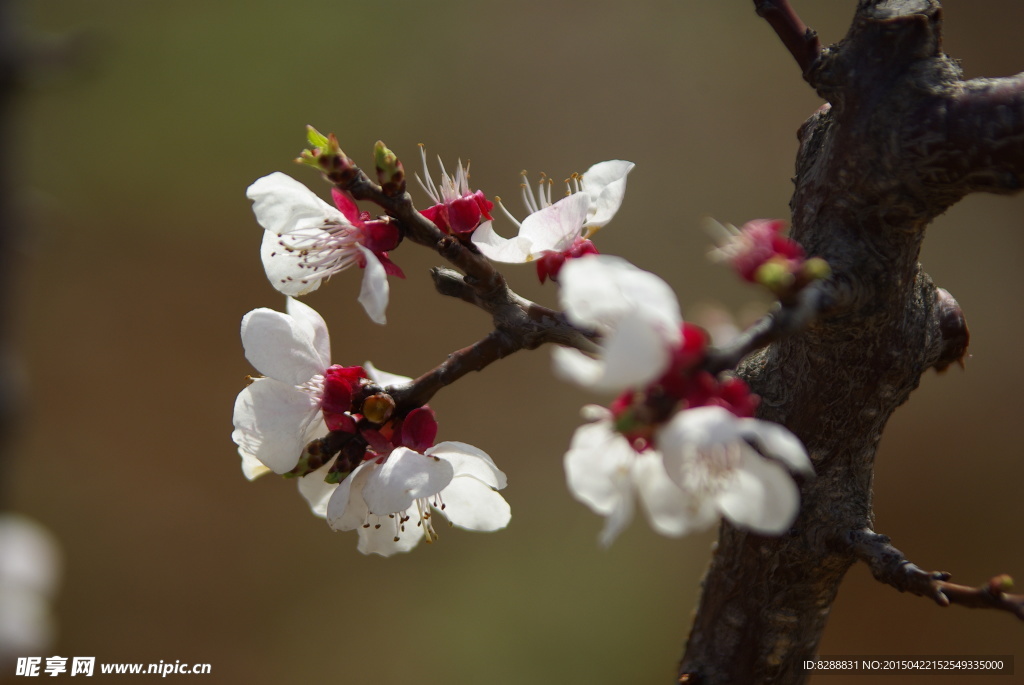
(379, 537)
(375, 290)
(601, 289)
(574, 366)
(557, 226)
(282, 205)
(467, 460)
(473, 505)
(634, 355)
(494, 247)
(30, 557)
(605, 183)
(597, 463)
(383, 378)
(669, 510)
(284, 267)
(761, 496)
(273, 423)
(777, 441)
(346, 509)
(252, 468)
(313, 324)
(316, 491)
(405, 477)
(279, 347)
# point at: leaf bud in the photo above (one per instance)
(390, 172)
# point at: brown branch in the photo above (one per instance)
(801, 41)
(980, 141)
(889, 566)
(788, 318)
(869, 179)
(518, 322)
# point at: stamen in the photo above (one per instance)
(497, 200)
(430, 190)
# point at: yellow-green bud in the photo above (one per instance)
(390, 172)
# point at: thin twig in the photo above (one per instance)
(801, 41)
(888, 565)
(786, 319)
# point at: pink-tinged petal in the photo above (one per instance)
(494, 247)
(280, 347)
(284, 266)
(471, 504)
(405, 477)
(375, 289)
(557, 226)
(314, 326)
(384, 378)
(273, 423)
(316, 492)
(761, 496)
(605, 183)
(470, 461)
(346, 205)
(283, 205)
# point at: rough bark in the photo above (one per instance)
(901, 139)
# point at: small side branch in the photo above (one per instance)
(889, 566)
(801, 41)
(788, 318)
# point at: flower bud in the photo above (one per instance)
(378, 408)
(1000, 584)
(327, 157)
(390, 172)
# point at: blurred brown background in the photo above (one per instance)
(141, 256)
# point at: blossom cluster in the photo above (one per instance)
(387, 477)
(680, 441)
(677, 438)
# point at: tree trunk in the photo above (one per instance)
(902, 139)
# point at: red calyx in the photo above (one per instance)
(551, 262)
(462, 215)
(340, 383)
(418, 430)
(759, 241)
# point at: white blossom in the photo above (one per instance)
(555, 227)
(606, 473)
(710, 454)
(276, 416)
(391, 501)
(306, 241)
(636, 313)
(29, 572)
